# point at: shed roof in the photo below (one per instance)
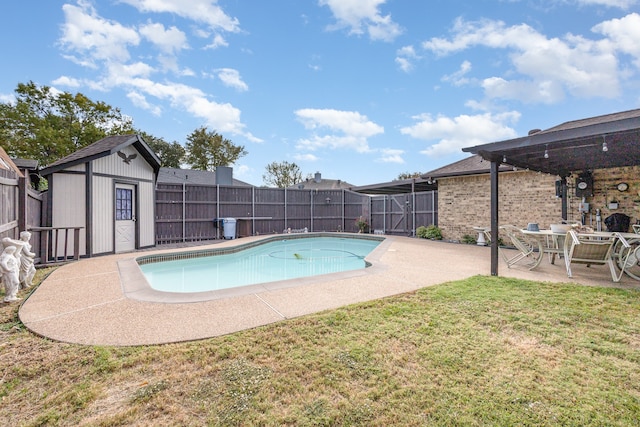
(26, 164)
(102, 148)
(599, 142)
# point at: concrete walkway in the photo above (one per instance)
(85, 302)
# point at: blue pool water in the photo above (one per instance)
(279, 260)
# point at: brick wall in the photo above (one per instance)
(605, 183)
(464, 202)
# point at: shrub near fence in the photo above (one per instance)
(187, 212)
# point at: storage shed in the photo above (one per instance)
(107, 189)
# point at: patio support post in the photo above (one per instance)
(564, 198)
(494, 217)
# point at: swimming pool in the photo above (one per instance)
(278, 259)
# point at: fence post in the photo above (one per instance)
(184, 211)
(344, 222)
(22, 204)
(311, 193)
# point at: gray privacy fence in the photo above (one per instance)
(9, 212)
(20, 208)
(190, 212)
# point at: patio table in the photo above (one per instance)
(552, 243)
(549, 242)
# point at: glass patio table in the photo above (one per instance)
(552, 243)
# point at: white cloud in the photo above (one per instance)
(547, 67)
(391, 155)
(66, 81)
(223, 117)
(218, 41)
(140, 101)
(242, 171)
(95, 38)
(622, 4)
(624, 34)
(347, 129)
(458, 78)
(231, 78)
(102, 44)
(405, 57)
(7, 98)
(169, 40)
(205, 11)
(308, 157)
(455, 133)
(362, 16)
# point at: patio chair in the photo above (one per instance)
(595, 249)
(528, 248)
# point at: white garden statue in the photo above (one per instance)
(10, 268)
(24, 256)
(27, 269)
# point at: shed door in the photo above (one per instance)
(125, 218)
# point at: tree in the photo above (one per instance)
(282, 175)
(171, 154)
(46, 125)
(207, 149)
(407, 175)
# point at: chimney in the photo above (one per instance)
(224, 175)
(317, 178)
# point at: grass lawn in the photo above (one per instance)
(485, 351)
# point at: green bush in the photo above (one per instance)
(469, 239)
(431, 232)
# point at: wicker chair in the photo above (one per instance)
(595, 249)
(528, 248)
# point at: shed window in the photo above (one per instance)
(124, 204)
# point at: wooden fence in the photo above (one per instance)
(186, 213)
(20, 208)
(8, 204)
(190, 212)
(402, 213)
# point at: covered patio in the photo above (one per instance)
(571, 148)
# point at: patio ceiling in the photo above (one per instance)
(573, 146)
(599, 142)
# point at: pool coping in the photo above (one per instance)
(82, 302)
(135, 285)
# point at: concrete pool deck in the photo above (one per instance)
(85, 302)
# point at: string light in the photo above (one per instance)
(546, 152)
(604, 147)
(504, 158)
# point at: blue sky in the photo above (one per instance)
(359, 90)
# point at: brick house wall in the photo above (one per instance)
(524, 197)
(605, 190)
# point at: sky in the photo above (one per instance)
(358, 90)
